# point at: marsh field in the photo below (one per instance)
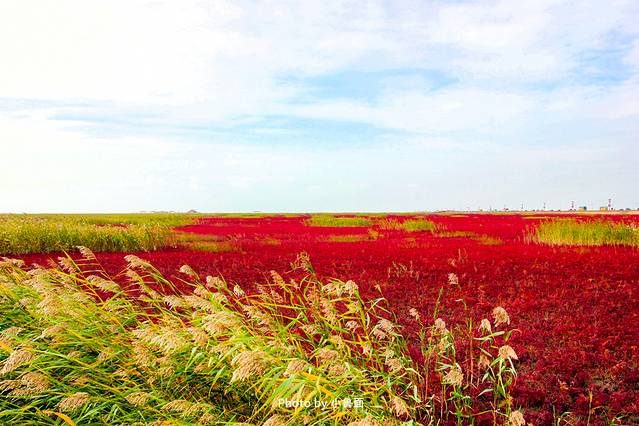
(320, 319)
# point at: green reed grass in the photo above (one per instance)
(214, 246)
(408, 225)
(415, 225)
(19, 235)
(350, 238)
(163, 219)
(76, 347)
(337, 221)
(585, 233)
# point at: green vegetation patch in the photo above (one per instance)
(351, 238)
(585, 233)
(23, 235)
(214, 246)
(163, 219)
(338, 221)
(416, 225)
(408, 225)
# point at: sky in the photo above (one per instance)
(293, 106)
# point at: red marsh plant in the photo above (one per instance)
(84, 347)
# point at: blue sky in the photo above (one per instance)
(317, 106)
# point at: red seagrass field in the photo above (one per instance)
(319, 213)
(574, 309)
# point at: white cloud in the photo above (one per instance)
(517, 70)
(449, 110)
(193, 53)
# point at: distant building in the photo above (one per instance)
(603, 209)
(582, 208)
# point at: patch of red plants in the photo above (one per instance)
(576, 309)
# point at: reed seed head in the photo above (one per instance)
(237, 290)
(220, 322)
(310, 329)
(485, 325)
(379, 334)
(351, 288)
(174, 301)
(325, 355)
(507, 352)
(484, 362)
(86, 253)
(295, 366)
(136, 262)
(214, 282)
(393, 364)
(337, 370)
(187, 270)
(138, 399)
(352, 325)
(440, 326)
(413, 313)
(17, 358)
(454, 376)
(247, 364)
(73, 402)
(452, 279)
(177, 406)
(516, 418)
(277, 279)
(198, 302)
(500, 316)
(103, 284)
(36, 381)
(399, 407)
(386, 325)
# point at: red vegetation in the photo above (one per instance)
(577, 308)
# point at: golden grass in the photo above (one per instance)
(488, 240)
(456, 234)
(163, 219)
(350, 238)
(584, 233)
(481, 238)
(407, 225)
(270, 241)
(337, 221)
(417, 225)
(214, 246)
(22, 235)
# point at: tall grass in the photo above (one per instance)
(75, 347)
(588, 233)
(408, 225)
(337, 221)
(163, 219)
(26, 235)
(414, 225)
